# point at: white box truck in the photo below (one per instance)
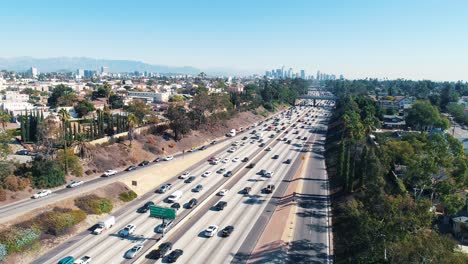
(232, 133)
(174, 197)
(104, 225)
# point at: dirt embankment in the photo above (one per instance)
(48, 242)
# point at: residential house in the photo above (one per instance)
(394, 122)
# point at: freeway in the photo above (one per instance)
(110, 248)
(242, 211)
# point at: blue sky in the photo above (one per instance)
(412, 39)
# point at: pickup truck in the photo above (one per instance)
(104, 225)
(83, 260)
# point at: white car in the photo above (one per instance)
(42, 193)
(206, 173)
(211, 231)
(131, 253)
(226, 160)
(74, 183)
(184, 175)
(235, 159)
(168, 158)
(108, 173)
(231, 150)
(128, 230)
(268, 174)
(223, 192)
(83, 260)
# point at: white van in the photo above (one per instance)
(174, 197)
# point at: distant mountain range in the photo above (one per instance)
(64, 64)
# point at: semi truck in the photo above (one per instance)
(104, 225)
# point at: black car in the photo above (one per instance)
(244, 138)
(133, 167)
(22, 152)
(262, 145)
(190, 179)
(304, 138)
(220, 205)
(203, 147)
(251, 165)
(245, 159)
(158, 159)
(161, 251)
(213, 142)
(192, 203)
(288, 161)
(174, 255)
(288, 142)
(144, 163)
(175, 206)
(227, 231)
(145, 207)
(228, 174)
(275, 156)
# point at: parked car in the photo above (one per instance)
(108, 173)
(145, 207)
(164, 226)
(74, 184)
(203, 147)
(192, 203)
(131, 253)
(127, 230)
(42, 193)
(198, 188)
(166, 187)
(190, 179)
(133, 167)
(174, 255)
(23, 152)
(211, 230)
(161, 251)
(227, 231)
(143, 163)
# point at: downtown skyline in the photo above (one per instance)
(417, 40)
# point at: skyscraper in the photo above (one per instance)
(303, 75)
(104, 71)
(80, 73)
(33, 72)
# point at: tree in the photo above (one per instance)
(139, 110)
(72, 162)
(62, 96)
(423, 116)
(4, 118)
(180, 122)
(115, 101)
(46, 173)
(84, 107)
(64, 117)
(132, 122)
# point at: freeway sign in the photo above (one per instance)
(162, 212)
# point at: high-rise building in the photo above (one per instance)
(33, 72)
(80, 74)
(318, 76)
(104, 71)
(303, 75)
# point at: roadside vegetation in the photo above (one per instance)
(388, 189)
(128, 196)
(93, 204)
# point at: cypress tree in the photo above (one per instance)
(28, 127)
(23, 128)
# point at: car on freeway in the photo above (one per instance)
(262, 172)
(206, 173)
(226, 160)
(288, 161)
(83, 260)
(275, 156)
(143, 163)
(164, 226)
(251, 165)
(132, 167)
(174, 255)
(127, 230)
(213, 142)
(288, 142)
(67, 260)
(246, 190)
(298, 137)
(175, 206)
(158, 159)
(220, 205)
(145, 207)
(221, 171)
(304, 138)
(245, 159)
(228, 174)
(261, 145)
(269, 188)
(268, 174)
(227, 231)
(236, 159)
(168, 158)
(131, 253)
(223, 192)
(184, 175)
(211, 230)
(190, 179)
(198, 188)
(108, 173)
(160, 251)
(245, 138)
(191, 203)
(164, 188)
(268, 149)
(42, 193)
(74, 184)
(272, 136)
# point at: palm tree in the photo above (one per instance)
(4, 118)
(64, 117)
(132, 122)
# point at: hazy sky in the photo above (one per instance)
(415, 39)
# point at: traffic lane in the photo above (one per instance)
(275, 138)
(147, 196)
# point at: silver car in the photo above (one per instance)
(131, 253)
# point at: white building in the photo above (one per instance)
(13, 96)
(33, 72)
(150, 96)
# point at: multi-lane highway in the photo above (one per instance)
(187, 233)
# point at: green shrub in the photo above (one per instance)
(59, 221)
(3, 252)
(128, 196)
(93, 204)
(16, 239)
(46, 173)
